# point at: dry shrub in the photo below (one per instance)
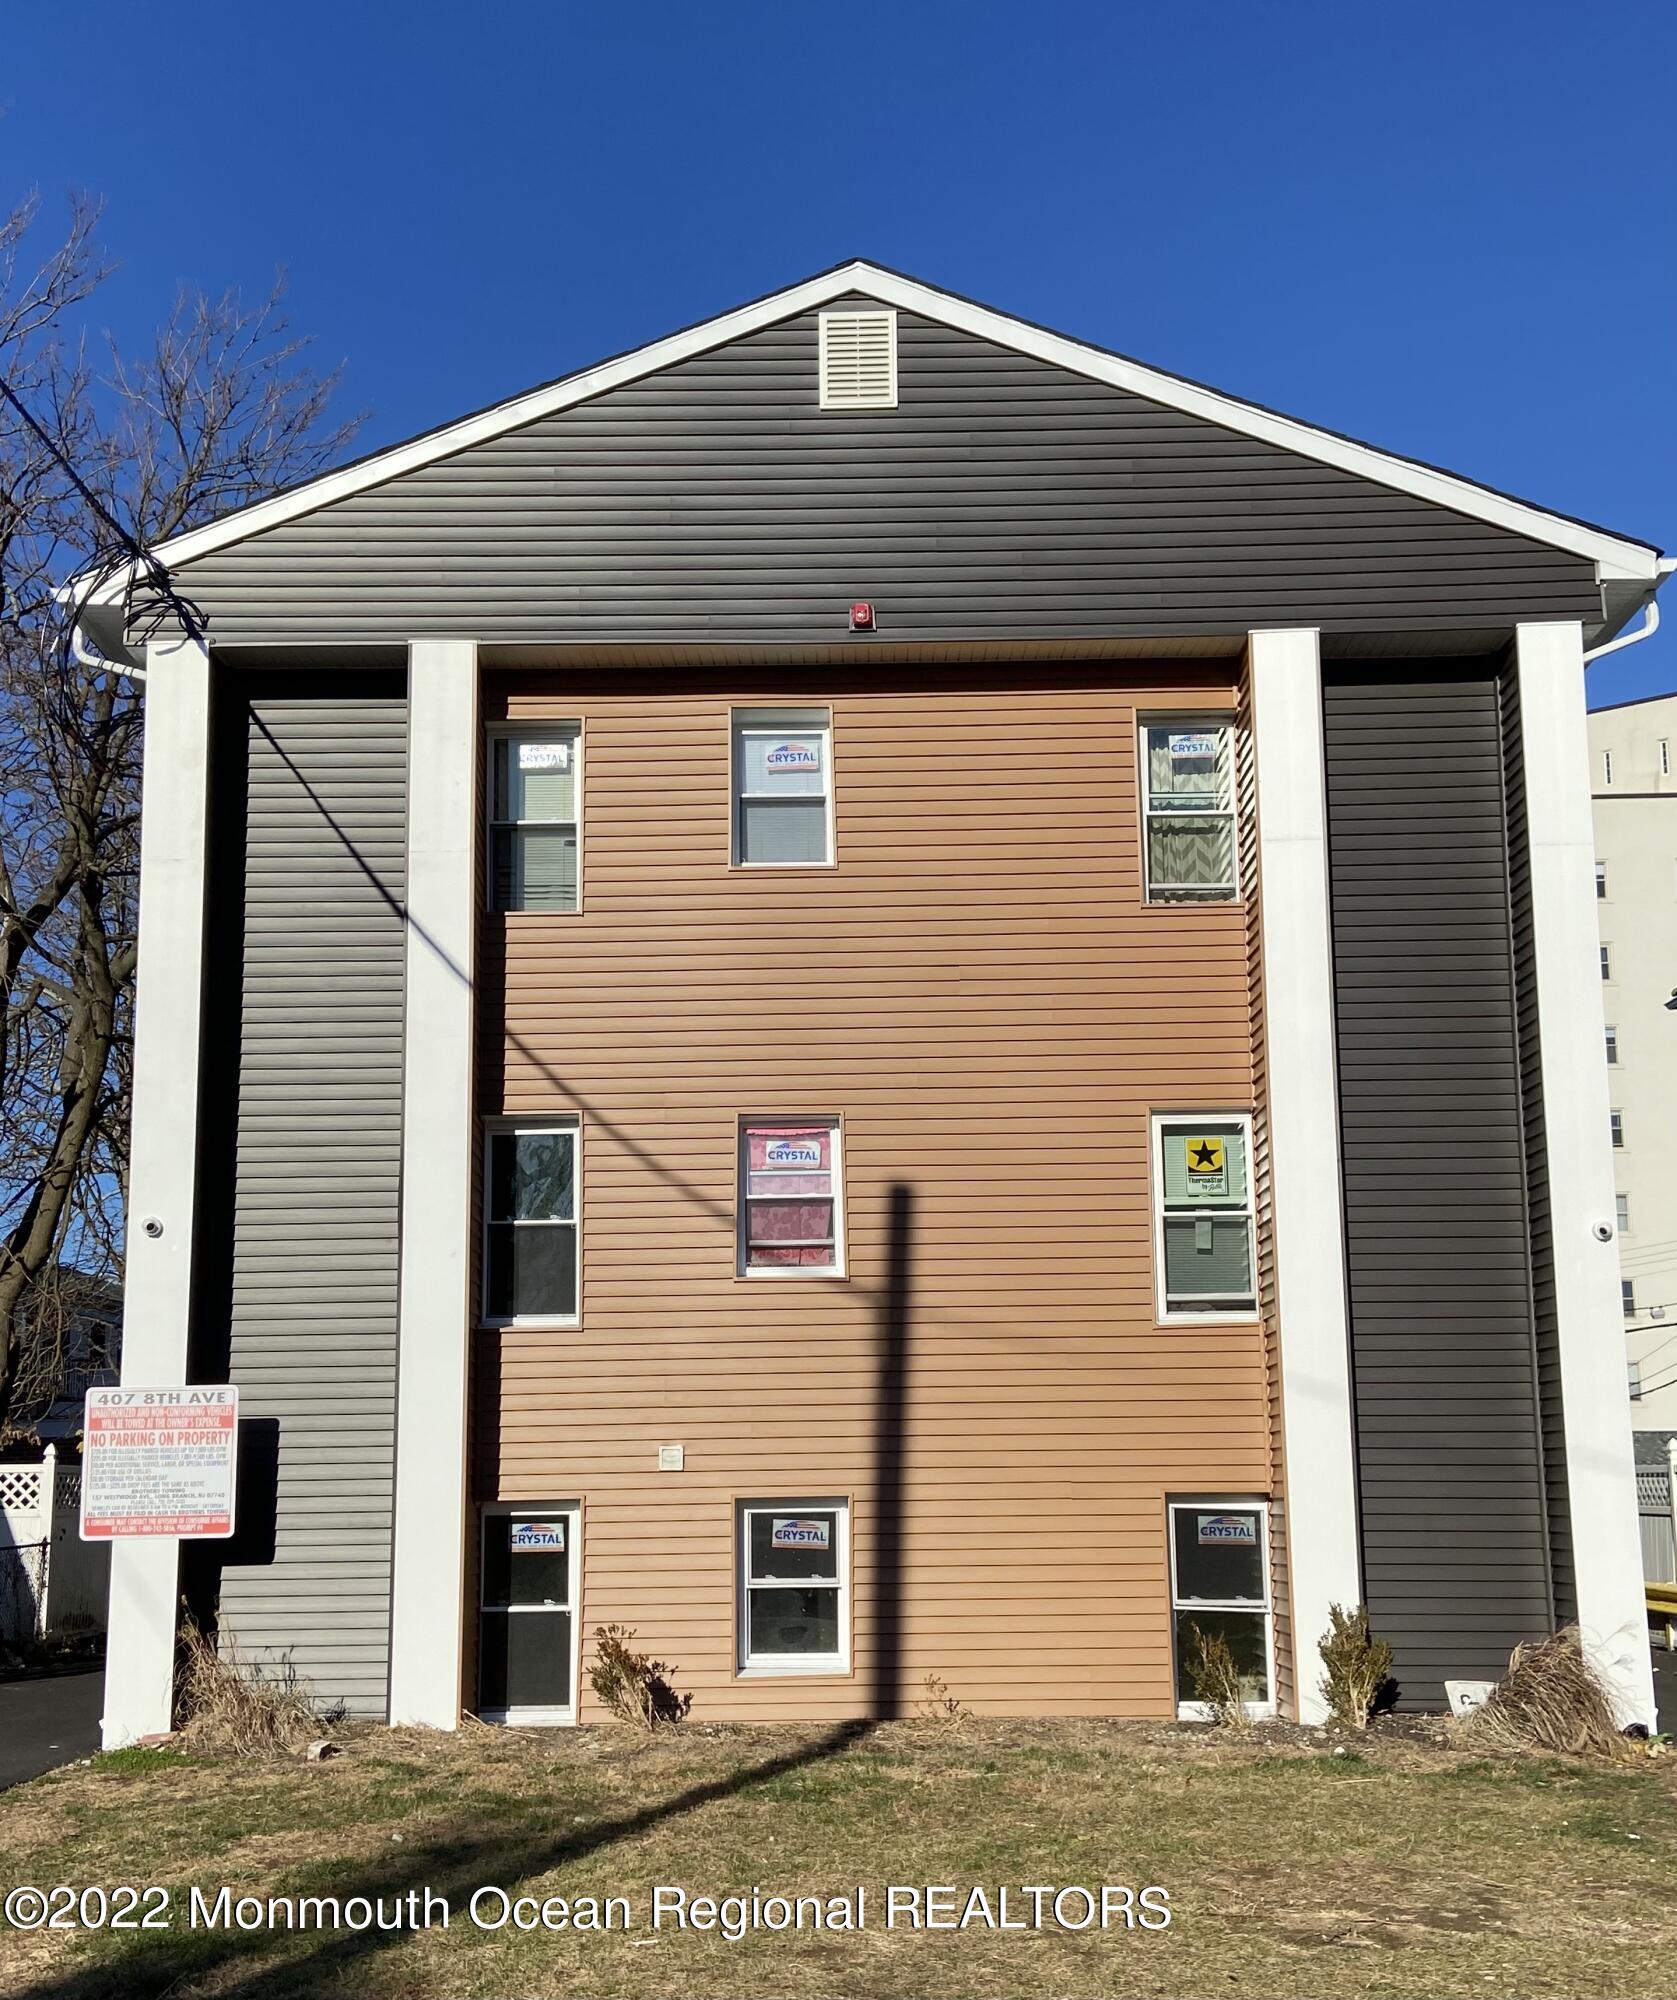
(1214, 1676)
(1551, 1698)
(937, 1704)
(633, 1686)
(1358, 1665)
(227, 1705)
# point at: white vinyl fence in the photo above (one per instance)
(51, 1581)
(1658, 1525)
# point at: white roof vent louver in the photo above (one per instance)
(859, 359)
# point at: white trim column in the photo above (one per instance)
(427, 1612)
(1323, 1559)
(163, 1155)
(1600, 1471)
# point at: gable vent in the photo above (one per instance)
(859, 360)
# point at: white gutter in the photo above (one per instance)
(1650, 617)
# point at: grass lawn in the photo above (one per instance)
(1402, 1868)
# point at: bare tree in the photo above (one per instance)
(221, 410)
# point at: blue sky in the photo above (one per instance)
(1446, 229)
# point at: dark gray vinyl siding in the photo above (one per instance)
(1004, 496)
(1450, 1474)
(314, 1059)
(1546, 1322)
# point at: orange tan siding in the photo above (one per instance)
(979, 992)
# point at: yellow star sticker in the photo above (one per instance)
(1205, 1156)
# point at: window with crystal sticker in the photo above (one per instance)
(790, 1197)
(782, 787)
(1188, 811)
(534, 785)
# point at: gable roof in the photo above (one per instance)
(1616, 557)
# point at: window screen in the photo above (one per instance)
(782, 787)
(533, 822)
(1188, 810)
(530, 1252)
(1203, 1186)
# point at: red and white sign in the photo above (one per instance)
(159, 1462)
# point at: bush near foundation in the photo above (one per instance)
(1358, 1666)
(633, 1686)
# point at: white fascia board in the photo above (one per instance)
(1612, 554)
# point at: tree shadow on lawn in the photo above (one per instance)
(446, 1867)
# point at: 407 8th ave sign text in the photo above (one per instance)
(159, 1462)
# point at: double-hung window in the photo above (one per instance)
(530, 1223)
(1188, 838)
(1612, 1045)
(794, 1587)
(1219, 1589)
(535, 783)
(783, 787)
(1616, 1124)
(1621, 1213)
(791, 1198)
(1202, 1185)
(1627, 1296)
(1607, 961)
(1601, 881)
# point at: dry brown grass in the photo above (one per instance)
(224, 1705)
(1551, 1699)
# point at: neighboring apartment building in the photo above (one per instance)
(1633, 779)
(884, 995)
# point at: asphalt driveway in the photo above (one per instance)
(48, 1718)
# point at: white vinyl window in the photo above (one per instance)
(1606, 961)
(1187, 793)
(530, 1208)
(529, 1620)
(794, 1597)
(1627, 1296)
(1616, 1119)
(1635, 1368)
(1601, 881)
(1621, 1212)
(791, 1198)
(1219, 1587)
(535, 816)
(1612, 1045)
(1202, 1196)
(783, 787)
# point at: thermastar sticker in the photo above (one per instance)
(1208, 1165)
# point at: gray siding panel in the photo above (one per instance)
(1004, 496)
(315, 1065)
(1433, 1131)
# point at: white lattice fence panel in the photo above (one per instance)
(20, 1489)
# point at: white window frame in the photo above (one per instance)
(739, 727)
(1627, 1297)
(558, 730)
(1616, 1126)
(535, 1128)
(1665, 756)
(1606, 962)
(1181, 896)
(1607, 767)
(1633, 1371)
(1601, 881)
(779, 1666)
(742, 1170)
(1169, 1315)
(1612, 1046)
(1198, 1711)
(1621, 1213)
(569, 1511)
